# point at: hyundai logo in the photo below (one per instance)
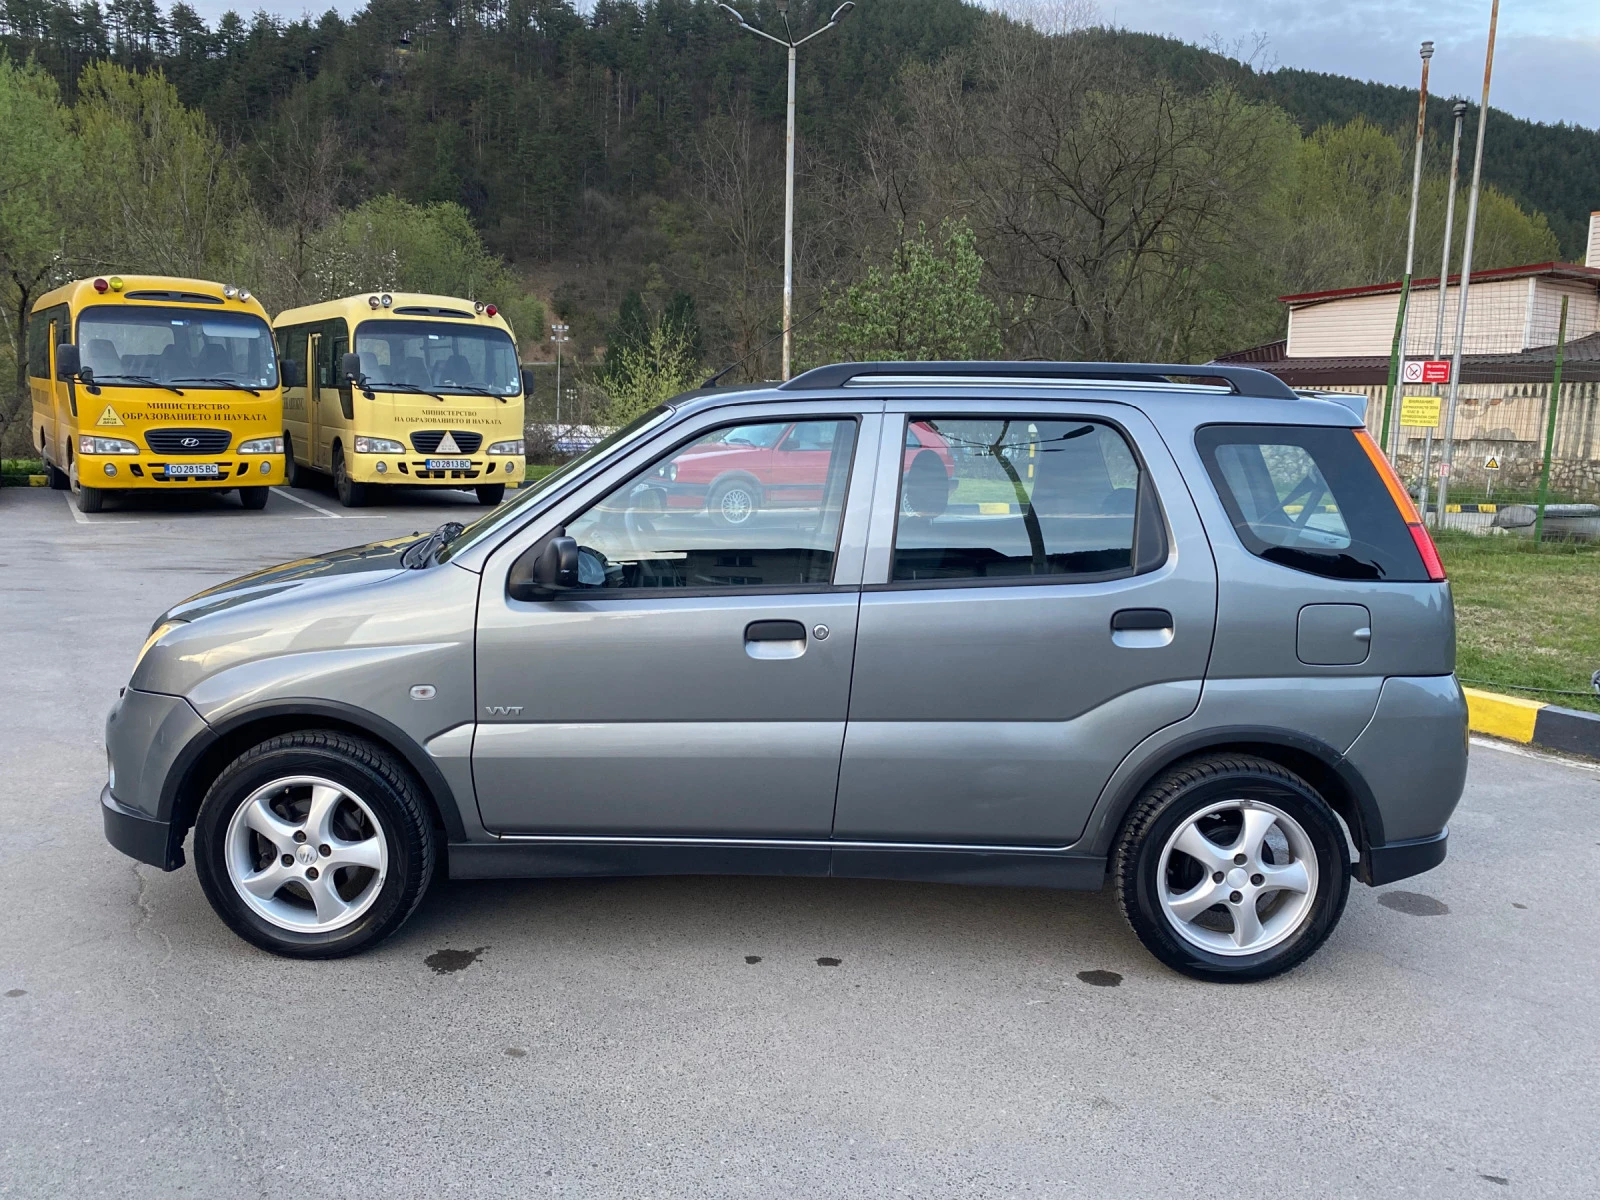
(189, 443)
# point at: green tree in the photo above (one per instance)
(161, 191)
(40, 170)
(682, 320)
(628, 333)
(644, 374)
(929, 304)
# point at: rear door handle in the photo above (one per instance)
(1141, 618)
(774, 639)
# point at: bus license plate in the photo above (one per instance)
(193, 470)
(449, 464)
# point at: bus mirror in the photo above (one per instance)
(350, 368)
(527, 382)
(67, 363)
(293, 372)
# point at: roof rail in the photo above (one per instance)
(1245, 381)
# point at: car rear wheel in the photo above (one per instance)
(1232, 869)
(490, 494)
(351, 493)
(314, 845)
(254, 498)
(734, 501)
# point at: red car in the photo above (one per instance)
(753, 467)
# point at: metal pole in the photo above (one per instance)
(1550, 425)
(788, 227)
(1447, 455)
(1444, 292)
(1397, 351)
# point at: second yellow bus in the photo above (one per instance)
(403, 388)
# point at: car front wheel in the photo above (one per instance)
(314, 845)
(1232, 869)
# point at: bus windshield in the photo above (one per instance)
(159, 347)
(438, 356)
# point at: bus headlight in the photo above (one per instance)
(271, 445)
(512, 447)
(372, 445)
(89, 444)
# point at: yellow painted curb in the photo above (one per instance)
(1501, 716)
(36, 481)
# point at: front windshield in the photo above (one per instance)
(438, 356)
(526, 495)
(157, 346)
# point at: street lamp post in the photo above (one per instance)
(791, 44)
(558, 335)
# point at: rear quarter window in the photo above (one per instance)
(1309, 498)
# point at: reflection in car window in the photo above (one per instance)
(722, 513)
(1014, 498)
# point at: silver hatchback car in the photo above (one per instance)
(1037, 624)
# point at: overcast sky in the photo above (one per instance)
(1547, 57)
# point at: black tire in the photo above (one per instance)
(490, 494)
(299, 476)
(721, 502)
(58, 480)
(351, 493)
(354, 764)
(91, 500)
(254, 498)
(1178, 795)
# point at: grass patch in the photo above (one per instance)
(14, 472)
(537, 471)
(1527, 616)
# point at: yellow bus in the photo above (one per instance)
(147, 382)
(403, 388)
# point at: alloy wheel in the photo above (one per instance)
(306, 854)
(1237, 877)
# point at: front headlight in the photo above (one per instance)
(89, 444)
(271, 445)
(514, 447)
(156, 634)
(372, 445)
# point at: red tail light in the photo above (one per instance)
(1408, 510)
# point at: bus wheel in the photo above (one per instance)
(59, 482)
(90, 500)
(253, 497)
(351, 493)
(490, 494)
(299, 477)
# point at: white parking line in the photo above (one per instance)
(1542, 756)
(73, 509)
(327, 512)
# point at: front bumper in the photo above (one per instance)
(139, 836)
(150, 471)
(413, 469)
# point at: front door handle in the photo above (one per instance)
(774, 639)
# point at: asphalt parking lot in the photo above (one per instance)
(736, 1037)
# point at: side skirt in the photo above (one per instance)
(988, 866)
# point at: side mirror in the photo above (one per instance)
(545, 569)
(68, 365)
(291, 372)
(527, 382)
(350, 369)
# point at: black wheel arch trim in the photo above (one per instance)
(305, 713)
(1368, 827)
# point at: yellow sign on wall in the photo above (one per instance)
(1420, 412)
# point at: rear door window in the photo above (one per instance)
(1308, 497)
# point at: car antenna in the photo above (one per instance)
(738, 362)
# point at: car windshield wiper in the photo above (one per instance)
(420, 553)
(400, 387)
(475, 390)
(233, 383)
(144, 379)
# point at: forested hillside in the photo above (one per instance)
(1124, 195)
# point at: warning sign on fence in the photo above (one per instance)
(1425, 370)
(1420, 412)
(1492, 463)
